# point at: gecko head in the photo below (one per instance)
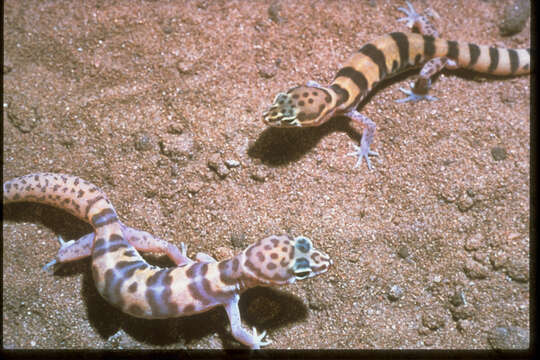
(301, 106)
(278, 260)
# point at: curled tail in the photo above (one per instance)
(70, 193)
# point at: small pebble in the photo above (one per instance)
(267, 72)
(178, 147)
(498, 153)
(465, 202)
(216, 165)
(515, 17)
(232, 163)
(395, 293)
(403, 252)
(194, 187)
(143, 142)
(185, 67)
(273, 12)
(175, 128)
(24, 118)
(458, 299)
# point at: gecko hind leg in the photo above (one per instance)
(70, 251)
(363, 151)
(141, 240)
(146, 242)
(419, 89)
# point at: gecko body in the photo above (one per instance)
(391, 54)
(142, 290)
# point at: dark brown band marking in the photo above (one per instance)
(105, 217)
(453, 50)
(342, 94)
(114, 243)
(158, 294)
(377, 56)
(197, 294)
(429, 46)
(356, 76)
(196, 270)
(91, 203)
(111, 292)
(402, 42)
(220, 296)
(494, 59)
(514, 60)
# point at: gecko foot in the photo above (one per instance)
(412, 16)
(414, 97)
(258, 339)
(49, 267)
(361, 153)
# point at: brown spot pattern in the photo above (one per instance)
(133, 287)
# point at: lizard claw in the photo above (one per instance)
(258, 339)
(414, 97)
(362, 154)
(63, 243)
(412, 15)
(183, 249)
(49, 266)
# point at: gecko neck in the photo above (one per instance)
(232, 272)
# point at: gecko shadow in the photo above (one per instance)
(64, 224)
(264, 308)
(281, 146)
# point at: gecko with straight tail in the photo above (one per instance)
(391, 54)
(142, 290)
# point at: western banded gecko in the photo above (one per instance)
(391, 54)
(142, 290)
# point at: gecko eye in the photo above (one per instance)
(302, 269)
(302, 274)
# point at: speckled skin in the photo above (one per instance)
(129, 283)
(386, 56)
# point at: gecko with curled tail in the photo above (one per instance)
(142, 290)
